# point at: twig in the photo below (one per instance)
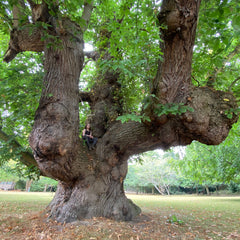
(230, 87)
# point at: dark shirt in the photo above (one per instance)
(87, 132)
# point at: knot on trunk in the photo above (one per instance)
(213, 116)
(28, 38)
(176, 18)
(52, 141)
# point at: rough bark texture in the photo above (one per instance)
(94, 196)
(55, 135)
(174, 74)
(26, 39)
(91, 182)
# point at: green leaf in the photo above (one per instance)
(236, 23)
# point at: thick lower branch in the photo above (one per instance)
(26, 39)
(209, 123)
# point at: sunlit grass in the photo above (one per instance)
(206, 212)
(25, 196)
(188, 202)
(23, 202)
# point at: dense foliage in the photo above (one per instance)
(216, 52)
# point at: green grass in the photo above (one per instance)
(26, 196)
(22, 202)
(213, 214)
(163, 217)
(189, 202)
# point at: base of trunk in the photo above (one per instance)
(103, 198)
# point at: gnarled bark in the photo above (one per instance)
(179, 20)
(26, 39)
(95, 196)
(55, 135)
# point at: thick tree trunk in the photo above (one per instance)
(55, 135)
(91, 183)
(92, 197)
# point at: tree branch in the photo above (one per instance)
(230, 87)
(18, 12)
(94, 55)
(26, 157)
(180, 21)
(26, 39)
(87, 11)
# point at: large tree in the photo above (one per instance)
(173, 111)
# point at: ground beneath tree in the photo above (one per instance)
(148, 226)
(164, 217)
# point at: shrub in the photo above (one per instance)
(20, 185)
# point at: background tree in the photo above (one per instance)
(211, 165)
(133, 182)
(197, 167)
(24, 179)
(155, 171)
(7, 174)
(167, 109)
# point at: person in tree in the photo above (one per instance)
(88, 137)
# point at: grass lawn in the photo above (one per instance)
(171, 217)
